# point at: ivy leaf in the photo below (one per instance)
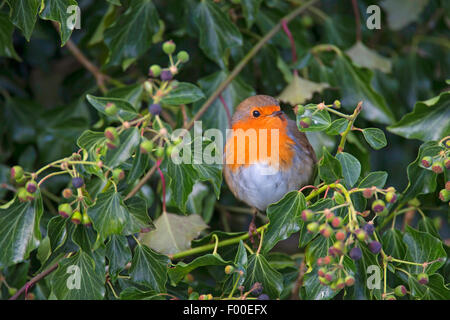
(131, 35)
(84, 237)
(181, 269)
(211, 173)
(129, 140)
(300, 90)
(217, 32)
(312, 289)
(305, 237)
(259, 270)
(355, 86)
(375, 138)
(434, 290)
(118, 253)
(126, 110)
(133, 293)
(351, 168)
(6, 33)
(393, 245)
(423, 247)
(183, 93)
(361, 289)
(108, 214)
(182, 179)
(364, 57)
(24, 14)
(131, 94)
(89, 140)
(19, 230)
(241, 262)
(421, 181)
(430, 120)
(427, 225)
(330, 169)
(284, 217)
(250, 10)
(79, 271)
(174, 233)
(338, 126)
(57, 232)
(402, 12)
(376, 178)
(320, 120)
(56, 10)
(139, 220)
(139, 165)
(149, 268)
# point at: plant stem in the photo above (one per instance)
(357, 20)
(349, 127)
(245, 60)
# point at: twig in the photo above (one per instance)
(163, 181)
(299, 282)
(357, 20)
(349, 127)
(245, 60)
(225, 106)
(141, 182)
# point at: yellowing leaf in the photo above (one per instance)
(174, 233)
(365, 57)
(300, 90)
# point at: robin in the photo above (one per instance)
(260, 177)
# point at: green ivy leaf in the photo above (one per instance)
(139, 165)
(365, 57)
(80, 267)
(6, 32)
(338, 126)
(393, 245)
(132, 293)
(355, 86)
(182, 179)
(400, 13)
(259, 270)
(90, 140)
(56, 10)
(181, 269)
(320, 120)
(84, 237)
(330, 169)
(108, 214)
(129, 140)
(423, 247)
(24, 14)
(375, 138)
(131, 35)
(118, 253)
(430, 120)
(19, 230)
(139, 220)
(57, 232)
(217, 32)
(376, 178)
(183, 93)
(250, 10)
(149, 268)
(241, 263)
(284, 217)
(351, 168)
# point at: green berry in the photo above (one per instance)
(378, 206)
(337, 104)
(340, 284)
(312, 227)
(159, 152)
(300, 109)
(361, 235)
(391, 197)
(85, 220)
(306, 21)
(427, 161)
(16, 172)
(422, 278)
(168, 47)
(229, 269)
(307, 215)
(339, 198)
(155, 71)
(444, 195)
(183, 56)
(111, 109)
(447, 162)
(65, 210)
(146, 146)
(400, 291)
(111, 133)
(437, 167)
(12, 291)
(305, 122)
(22, 194)
(349, 281)
(118, 174)
(170, 150)
(76, 217)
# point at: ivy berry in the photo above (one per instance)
(77, 182)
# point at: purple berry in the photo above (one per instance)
(155, 109)
(31, 186)
(166, 75)
(355, 253)
(77, 182)
(369, 228)
(263, 297)
(375, 247)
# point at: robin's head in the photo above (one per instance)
(258, 110)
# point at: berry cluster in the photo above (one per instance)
(438, 164)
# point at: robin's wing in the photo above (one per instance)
(301, 140)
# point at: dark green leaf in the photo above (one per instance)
(126, 110)
(250, 10)
(259, 270)
(23, 14)
(183, 93)
(375, 138)
(139, 220)
(6, 32)
(351, 168)
(376, 178)
(129, 140)
(330, 169)
(149, 268)
(118, 253)
(56, 10)
(393, 245)
(435, 289)
(320, 121)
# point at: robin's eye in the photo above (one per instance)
(256, 113)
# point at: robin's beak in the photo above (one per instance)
(277, 114)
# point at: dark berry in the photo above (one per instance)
(369, 228)
(375, 247)
(263, 297)
(77, 182)
(257, 289)
(166, 75)
(155, 109)
(378, 206)
(355, 253)
(31, 186)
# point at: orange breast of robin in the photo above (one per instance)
(247, 138)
